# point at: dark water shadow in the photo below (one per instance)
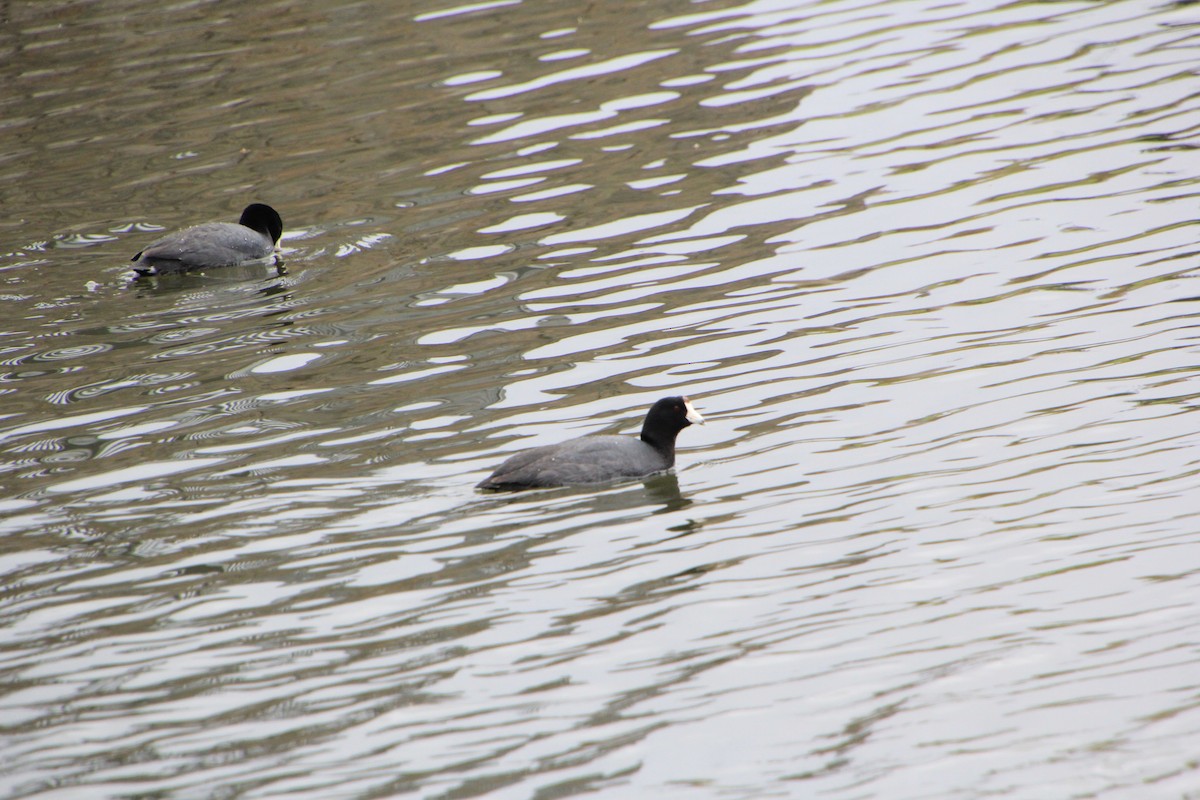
(660, 490)
(208, 279)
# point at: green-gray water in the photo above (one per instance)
(927, 268)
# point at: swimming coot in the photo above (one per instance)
(214, 244)
(594, 459)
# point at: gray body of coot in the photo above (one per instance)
(214, 244)
(599, 459)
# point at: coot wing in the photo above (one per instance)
(213, 244)
(591, 459)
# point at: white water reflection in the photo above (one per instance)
(926, 269)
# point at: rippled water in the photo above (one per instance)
(927, 268)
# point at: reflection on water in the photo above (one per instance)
(927, 269)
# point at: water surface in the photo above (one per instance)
(925, 267)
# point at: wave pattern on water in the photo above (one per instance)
(925, 268)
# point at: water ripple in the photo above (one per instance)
(926, 269)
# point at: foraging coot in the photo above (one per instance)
(214, 244)
(594, 459)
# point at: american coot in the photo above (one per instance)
(594, 459)
(214, 244)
